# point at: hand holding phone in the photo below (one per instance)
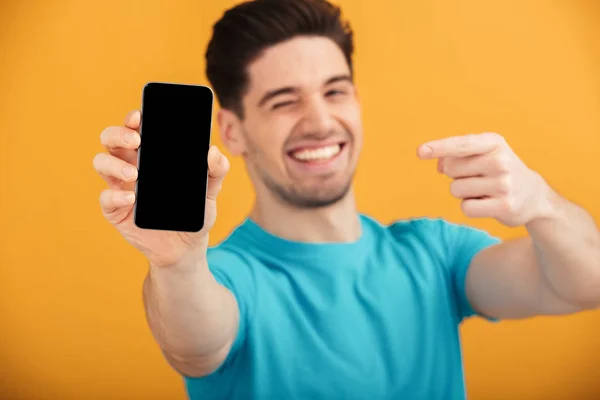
(173, 171)
(198, 171)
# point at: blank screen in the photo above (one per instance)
(172, 160)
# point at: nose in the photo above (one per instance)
(317, 117)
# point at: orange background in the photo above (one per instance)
(71, 316)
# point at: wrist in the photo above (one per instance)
(190, 263)
(548, 205)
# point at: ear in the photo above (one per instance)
(230, 130)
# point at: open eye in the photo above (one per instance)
(335, 92)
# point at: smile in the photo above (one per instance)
(324, 153)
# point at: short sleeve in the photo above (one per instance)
(232, 271)
(461, 244)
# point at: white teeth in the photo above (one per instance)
(322, 153)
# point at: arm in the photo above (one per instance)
(555, 270)
(193, 318)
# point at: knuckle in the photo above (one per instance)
(447, 166)
(509, 205)
(455, 189)
(500, 162)
(464, 145)
(449, 170)
(492, 135)
(130, 116)
(104, 197)
(466, 208)
(505, 184)
(97, 161)
(105, 136)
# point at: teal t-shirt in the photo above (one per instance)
(375, 319)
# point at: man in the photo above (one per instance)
(308, 298)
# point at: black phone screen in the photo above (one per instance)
(172, 157)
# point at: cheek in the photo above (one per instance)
(353, 120)
(350, 112)
(268, 138)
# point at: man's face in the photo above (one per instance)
(302, 128)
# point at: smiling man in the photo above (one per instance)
(308, 298)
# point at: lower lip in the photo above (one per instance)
(319, 166)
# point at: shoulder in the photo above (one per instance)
(416, 235)
(400, 227)
(233, 250)
(436, 230)
(231, 260)
(437, 235)
(422, 229)
(231, 265)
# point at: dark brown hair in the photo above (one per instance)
(247, 29)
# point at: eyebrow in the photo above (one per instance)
(290, 89)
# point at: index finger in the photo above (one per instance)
(132, 120)
(460, 146)
(118, 137)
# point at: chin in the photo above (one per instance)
(317, 196)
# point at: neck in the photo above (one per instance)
(336, 223)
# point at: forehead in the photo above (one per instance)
(301, 61)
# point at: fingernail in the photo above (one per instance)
(129, 197)
(426, 150)
(128, 171)
(129, 137)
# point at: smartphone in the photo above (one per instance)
(175, 130)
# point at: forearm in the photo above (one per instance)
(191, 316)
(566, 243)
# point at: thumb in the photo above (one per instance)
(440, 165)
(218, 165)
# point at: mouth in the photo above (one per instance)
(318, 159)
(317, 155)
